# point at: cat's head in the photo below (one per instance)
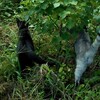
(21, 24)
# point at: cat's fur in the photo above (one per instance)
(85, 53)
(25, 47)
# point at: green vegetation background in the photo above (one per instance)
(48, 20)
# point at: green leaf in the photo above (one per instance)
(41, 1)
(97, 18)
(26, 2)
(64, 14)
(67, 2)
(74, 2)
(32, 1)
(56, 5)
(60, 69)
(98, 29)
(64, 36)
(56, 39)
(44, 6)
(21, 7)
(70, 24)
(26, 17)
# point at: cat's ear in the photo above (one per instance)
(21, 24)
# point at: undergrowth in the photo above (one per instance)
(42, 82)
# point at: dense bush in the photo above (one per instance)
(7, 8)
(54, 25)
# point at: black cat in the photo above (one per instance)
(25, 47)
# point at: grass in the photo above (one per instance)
(42, 82)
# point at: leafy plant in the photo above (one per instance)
(54, 25)
(7, 9)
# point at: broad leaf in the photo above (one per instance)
(56, 5)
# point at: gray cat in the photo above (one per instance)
(85, 53)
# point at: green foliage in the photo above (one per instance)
(7, 63)
(57, 11)
(7, 9)
(63, 19)
(54, 25)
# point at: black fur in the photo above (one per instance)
(25, 47)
